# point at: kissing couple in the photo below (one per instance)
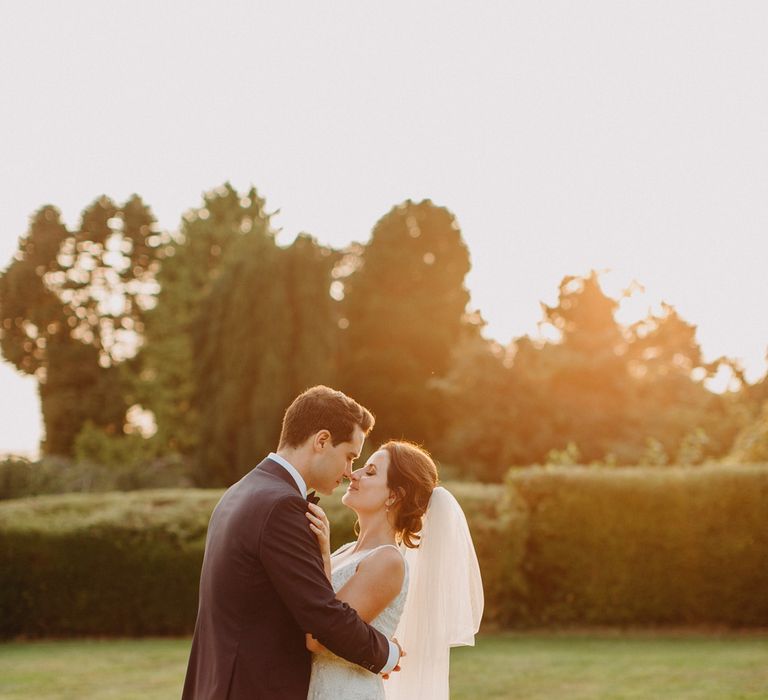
(280, 617)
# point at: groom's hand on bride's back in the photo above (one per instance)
(397, 665)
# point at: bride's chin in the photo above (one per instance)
(345, 500)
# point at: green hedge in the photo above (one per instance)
(118, 563)
(20, 477)
(642, 546)
(557, 546)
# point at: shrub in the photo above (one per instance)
(20, 477)
(751, 444)
(116, 563)
(126, 563)
(557, 546)
(644, 546)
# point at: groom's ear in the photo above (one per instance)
(321, 440)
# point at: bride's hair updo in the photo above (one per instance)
(412, 475)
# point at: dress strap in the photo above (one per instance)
(381, 546)
(343, 548)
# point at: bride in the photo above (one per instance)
(411, 574)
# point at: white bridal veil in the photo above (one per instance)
(444, 603)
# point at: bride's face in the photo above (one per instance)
(367, 491)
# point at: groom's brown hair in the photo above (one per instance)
(323, 408)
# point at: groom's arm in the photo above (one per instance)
(291, 558)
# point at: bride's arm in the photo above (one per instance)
(378, 579)
(375, 584)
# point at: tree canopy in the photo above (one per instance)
(212, 330)
(72, 308)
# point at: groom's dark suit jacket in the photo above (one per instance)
(262, 587)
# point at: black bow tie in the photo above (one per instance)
(311, 498)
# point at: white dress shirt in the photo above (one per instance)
(394, 651)
(283, 462)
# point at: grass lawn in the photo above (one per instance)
(611, 667)
(516, 666)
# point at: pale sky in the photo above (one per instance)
(565, 136)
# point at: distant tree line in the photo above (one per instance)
(149, 345)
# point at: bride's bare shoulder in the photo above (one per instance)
(376, 582)
(386, 562)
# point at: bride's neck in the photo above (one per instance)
(375, 530)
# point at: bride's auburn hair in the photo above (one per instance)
(412, 475)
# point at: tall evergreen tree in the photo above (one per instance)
(672, 404)
(588, 385)
(403, 312)
(192, 263)
(73, 306)
(266, 332)
(609, 389)
(477, 439)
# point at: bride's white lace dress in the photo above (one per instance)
(334, 678)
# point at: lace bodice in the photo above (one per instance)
(334, 677)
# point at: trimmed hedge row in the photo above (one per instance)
(633, 546)
(557, 546)
(20, 478)
(118, 563)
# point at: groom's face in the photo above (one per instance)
(334, 462)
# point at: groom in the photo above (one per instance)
(262, 584)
